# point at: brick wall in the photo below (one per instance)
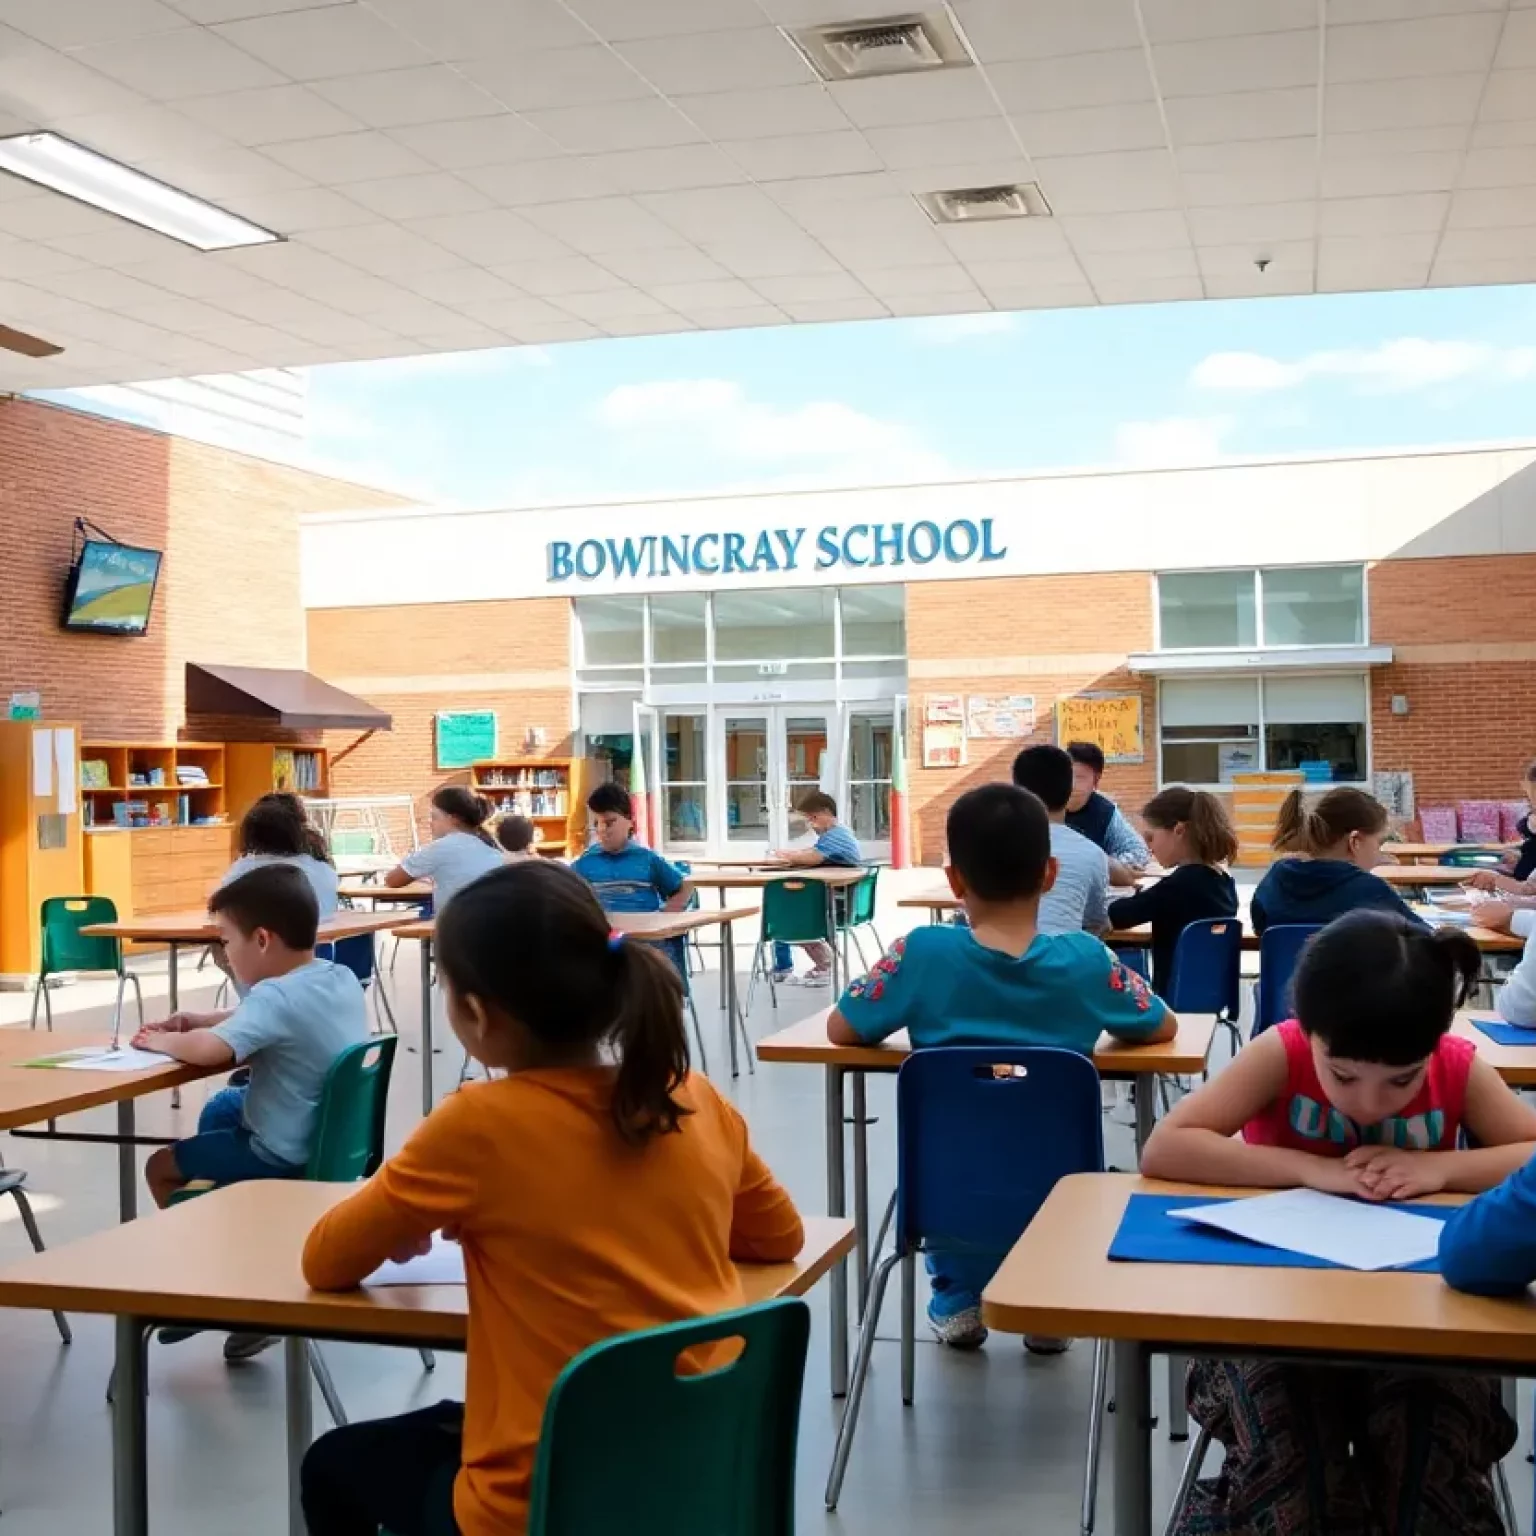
(1050, 636)
(229, 584)
(510, 657)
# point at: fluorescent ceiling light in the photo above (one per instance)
(78, 172)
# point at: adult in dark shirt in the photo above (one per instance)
(1191, 836)
(1098, 818)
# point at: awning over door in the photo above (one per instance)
(283, 696)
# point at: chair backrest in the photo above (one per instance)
(354, 842)
(685, 868)
(357, 954)
(977, 1151)
(65, 948)
(1279, 950)
(794, 911)
(861, 901)
(1470, 858)
(630, 1444)
(349, 1138)
(1207, 965)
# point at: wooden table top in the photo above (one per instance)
(739, 864)
(651, 926)
(199, 928)
(1516, 1064)
(1439, 850)
(29, 1095)
(356, 890)
(752, 879)
(807, 1042)
(1423, 874)
(1059, 1280)
(232, 1256)
(1489, 940)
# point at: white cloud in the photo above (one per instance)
(946, 330)
(1172, 441)
(1395, 367)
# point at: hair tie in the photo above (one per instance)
(615, 938)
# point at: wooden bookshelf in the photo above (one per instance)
(550, 791)
(258, 768)
(139, 785)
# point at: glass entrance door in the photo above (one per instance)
(770, 757)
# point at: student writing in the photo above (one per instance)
(461, 849)
(598, 1187)
(835, 845)
(1191, 836)
(1364, 1093)
(1000, 981)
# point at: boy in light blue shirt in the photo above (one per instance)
(835, 845)
(1000, 981)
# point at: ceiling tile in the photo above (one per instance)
(300, 210)
(1275, 61)
(539, 181)
(1498, 134)
(601, 224)
(187, 316)
(140, 133)
(619, 125)
(419, 317)
(701, 63)
(665, 170)
(789, 110)
(168, 65)
(674, 264)
(1341, 11)
(811, 154)
(1057, 296)
(1037, 272)
(397, 98)
(1489, 244)
(1077, 80)
(1179, 21)
(1438, 138)
(1504, 208)
(612, 304)
(1008, 239)
(973, 173)
(1237, 261)
(386, 250)
(324, 43)
(863, 254)
(1220, 189)
(893, 101)
(491, 238)
(1246, 115)
(896, 217)
(190, 272)
(348, 157)
(810, 191)
(984, 138)
(269, 116)
(1259, 285)
(724, 293)
(720, 213)
(466, 30)
(550, 279)
(1176, 261)
(228, 174)
(1365, 253)
(1264, 221)
(830, 311)
(559, 77)
(44, 86)
(1043, 29)
(417, 197)
(738, 319)
(1253, 157)
(210, 11)
(24, 258)
(1408, 213)
(120, 245)
(902, 282)
(621, 20)
(1091, 130)
(1468, 271)
(1511, 96)
(915, 305)
(810, 286)
(52, 217)
(1352, 279)
(83, 22)
(1390, 174)
(1517, 47)
(1378, 104)
(1123, 183)
(1396, 50)
(660, 324)
(1512, 166)
(457, 286)
(108, 289)
(1150, 290)
(477, 141)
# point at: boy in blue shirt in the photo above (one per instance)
(998, 982)
(834, 845)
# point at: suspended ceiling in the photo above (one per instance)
(452, 174)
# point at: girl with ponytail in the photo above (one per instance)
(1364, 1093)
(461, 849)
(597, 1187)
(1189, 834)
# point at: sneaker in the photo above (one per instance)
(246, 1346)
(959, 1330)
(176, 1335)
(1043, 1344)
(783, 978)
(810, 979)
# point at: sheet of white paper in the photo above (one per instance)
(124, 1060)
(42, 764)
(443, 1266)
(64, 756)
(1346, 1232)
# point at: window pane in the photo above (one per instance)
(684, 753)
(674, 677)
(683, 813)
(752, 672)
(678, 627)
(1210, 701)
(805, 744)
(746, 775)
(1208, 762)
(874, 621)
(891, 671)
(1314, 605)
(869, 746)
(869, 812)
(1326, 752)
(1206, 608)
(773, 626)
(1298, 700)
(612, 629)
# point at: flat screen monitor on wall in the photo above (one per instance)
(111, 588)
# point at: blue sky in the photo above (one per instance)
(910, 400)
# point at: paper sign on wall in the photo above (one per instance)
(465, 738)
(1112, 721)
(943, 709)
(42, 765)
(64, 760)
(1000, 717)
(943, 744)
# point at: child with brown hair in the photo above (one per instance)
(461, 849)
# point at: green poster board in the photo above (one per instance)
(467, 738)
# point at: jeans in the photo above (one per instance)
(958, 1279)
(396, 1474)
(819, 954)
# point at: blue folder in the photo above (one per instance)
(1149, 1235)
(1506, 1034)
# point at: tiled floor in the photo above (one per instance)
(994, 1442)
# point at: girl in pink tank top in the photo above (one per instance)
(1365, 1093)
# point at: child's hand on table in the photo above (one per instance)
(152, 1036)
(414, 1248)
(1391, 1173)
(1335, 1176)
(1493, 914)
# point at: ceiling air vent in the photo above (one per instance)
(973, 205)
(885, 45)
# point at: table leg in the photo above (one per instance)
(837, 1205)
(724, 1000)
(127, 1163)
(130, 1433)
(861, 1186)
(1133, 1439)
(1145, 1087)
(174, 980)
(1178, 1406)
(728, 991)
(837, 986)
(426, 1027)
(300, 1426)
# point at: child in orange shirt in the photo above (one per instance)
(599, 1187)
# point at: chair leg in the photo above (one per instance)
(909, 1328)
(1505, 1499)
(698, 1033)
(138, 996)
(853, 933)
(856, 1384)
(428, 1359)
(29, 1221)
(1095, 1433)
(322, 1375)
(875, 935)
(1192, 1464)
(880, 1236)
(39, 993)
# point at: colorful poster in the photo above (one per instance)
(944, 709)
(463, 739)
(1004, 717)
(943, 744)
(1110, 720)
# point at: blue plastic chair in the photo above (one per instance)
(976, 1156)
(1207, 965)
(1279, 950)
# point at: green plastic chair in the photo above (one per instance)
(1469, 858)
(858, 911)
(701, 1455)
(65, 948)
(794, 912)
